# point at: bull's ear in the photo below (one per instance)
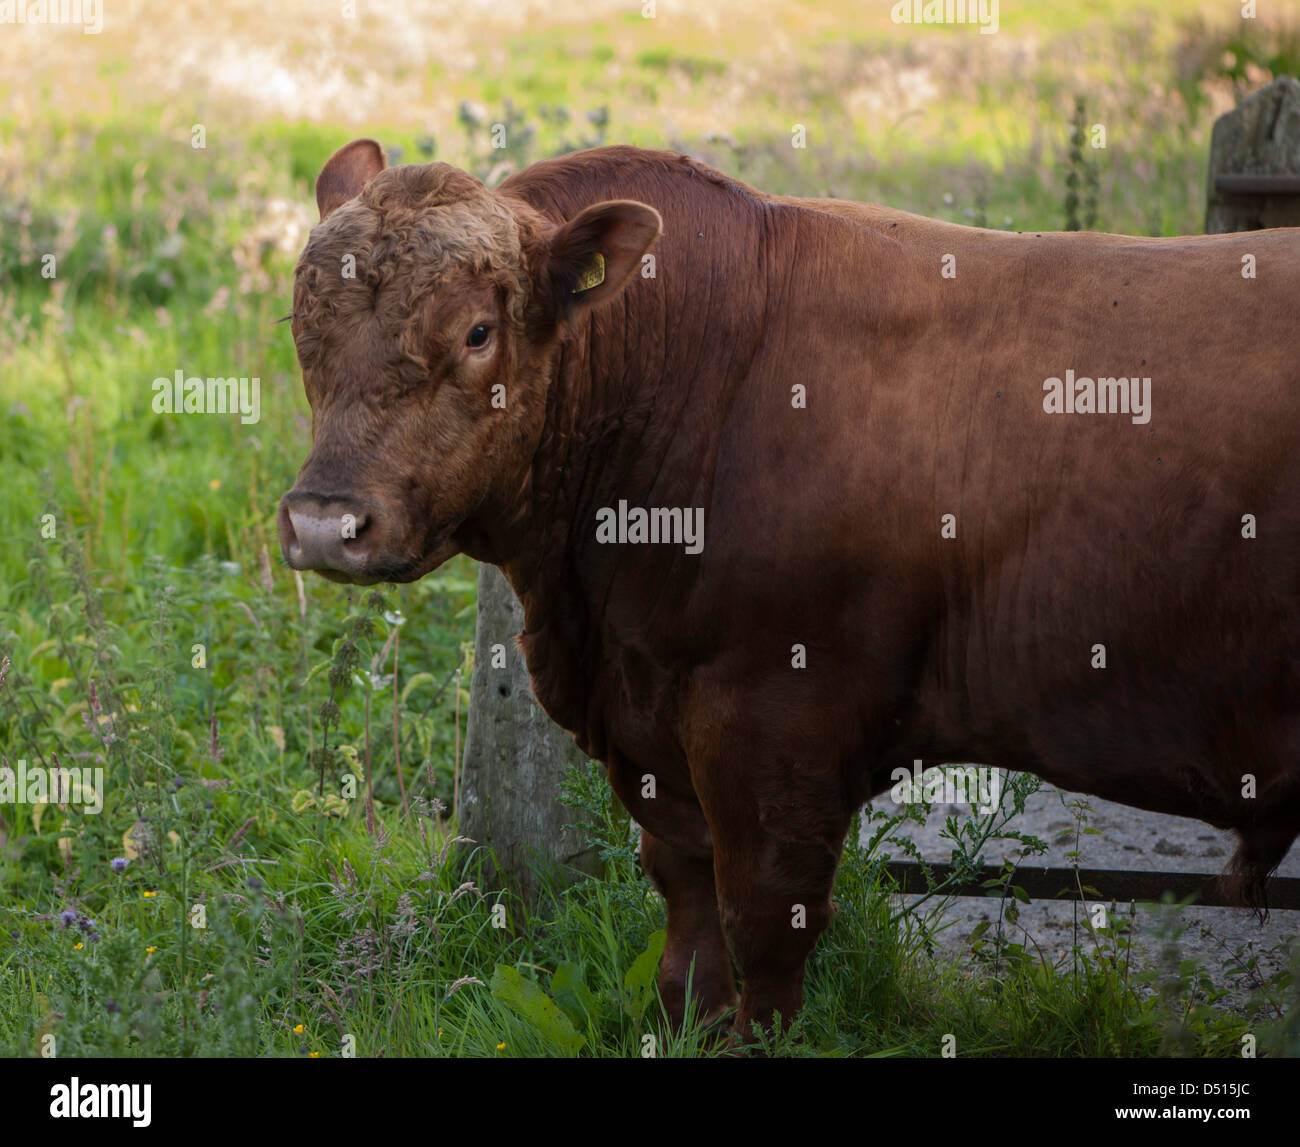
(346, 172)
(594, 253)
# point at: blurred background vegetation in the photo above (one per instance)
(171, 257)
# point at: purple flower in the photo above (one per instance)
(68, 916)
(87, 924)
(113, 1006)
(119, 863)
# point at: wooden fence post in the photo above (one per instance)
(1255, 162)
(515, 756)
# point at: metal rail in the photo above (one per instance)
(1120, 884)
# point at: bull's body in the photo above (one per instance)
(1111, 605)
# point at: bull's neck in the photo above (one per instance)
(641, 384)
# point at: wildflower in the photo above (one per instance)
(68, 916)
(298, 1030)
(501, 1047)
(215, 484)
(150, 951)
(314, 1055)
(86, 924)
(149, 895)
(78, 946)
(113, 1007)
(118, 863)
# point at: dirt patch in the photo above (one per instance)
(1126, 838)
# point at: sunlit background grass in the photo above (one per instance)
(171, 257)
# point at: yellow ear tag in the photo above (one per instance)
(593, 276)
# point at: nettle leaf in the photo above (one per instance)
(415, 682)
(642, 971)
(569, 986)
(640, 978)
(533, 1005)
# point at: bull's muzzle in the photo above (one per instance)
(326, 532)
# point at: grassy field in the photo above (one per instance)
(147, 626)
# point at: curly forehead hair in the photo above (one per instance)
(409, 228)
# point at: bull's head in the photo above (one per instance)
(426, 313)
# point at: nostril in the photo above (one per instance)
(355, 527)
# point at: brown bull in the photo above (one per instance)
(795, 492)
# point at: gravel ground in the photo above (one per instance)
(1128, 838)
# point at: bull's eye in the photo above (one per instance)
(478, 337)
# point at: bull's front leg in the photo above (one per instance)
(677, 855)
(775, 896)
(778, 812)
(695, 951)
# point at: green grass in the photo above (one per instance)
(262, 911)
(318, 914)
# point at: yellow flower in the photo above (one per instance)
(501, 1047)
(298, 1030)
(215, 484)
(150, 895)
(314, 1055)
(78, 945)
(151, 951)
(440, 1033)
